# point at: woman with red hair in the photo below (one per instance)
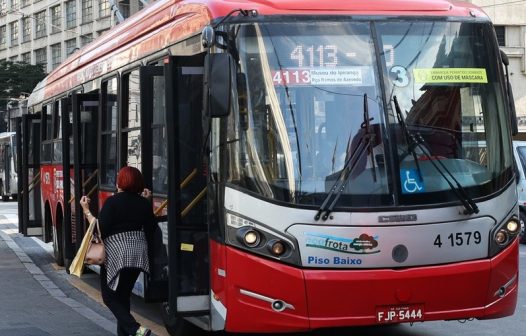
(125, 220)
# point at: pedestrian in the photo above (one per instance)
(126, 222)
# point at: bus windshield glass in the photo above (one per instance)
(315, 105)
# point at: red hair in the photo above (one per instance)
(130, 179)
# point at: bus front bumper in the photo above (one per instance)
(265, 296)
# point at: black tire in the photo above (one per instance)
(522, 234)
(178, 326)
(5, 198)
(58, 246)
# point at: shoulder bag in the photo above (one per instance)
(96, 253)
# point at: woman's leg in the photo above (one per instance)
(119, 301)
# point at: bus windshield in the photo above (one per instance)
(310, 93)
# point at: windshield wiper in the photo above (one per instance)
(366, 141)
(416, 140)
(409, 138)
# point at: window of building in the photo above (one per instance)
(87, 11)
(14, 33)
(26, 3)
(3, 6)
(124, 8)
(56, 19)
(86, 39)
(501, 35)
(71, 46)
(15, 4)
(40, 19)
(40, 57)
(13, 59)
(26, 29)
(71, 14)
(3, 39)
(56, 55)
(104, 8)
(26, 57)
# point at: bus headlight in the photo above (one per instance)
(251, 238)
(504, 234)
(276, 247)
(257, 238)
(501, 237)
(513, 226)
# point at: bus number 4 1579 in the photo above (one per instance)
(459, 239)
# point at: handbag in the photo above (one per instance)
(77, 265)
(96, 253)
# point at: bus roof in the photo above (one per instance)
(165, 22)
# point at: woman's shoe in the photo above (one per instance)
(142, 331)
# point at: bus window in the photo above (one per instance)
(108, 173)
(88, 119)
(57, 132)
(2, 154)
(160, 156)
(131, 132)
(47, 135)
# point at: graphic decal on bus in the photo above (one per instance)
(364, 244)
(450, 75)
(316, 260)
(411, 181)
(349, 75)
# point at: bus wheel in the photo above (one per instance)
(57, 251)
(522, 234)
(57, 242)
(178, 326)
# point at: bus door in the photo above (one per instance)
(29, 201)
(83, 140)
(153, 164)
(18, 140)
(7, 157)
(187, 193)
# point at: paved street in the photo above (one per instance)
(40, 299)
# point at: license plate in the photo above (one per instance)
(397, 314)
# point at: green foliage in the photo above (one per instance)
(16, 78)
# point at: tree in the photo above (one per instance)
(17, 79)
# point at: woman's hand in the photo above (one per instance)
(84, 203)
(146, 193)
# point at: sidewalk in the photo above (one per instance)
(30, 302)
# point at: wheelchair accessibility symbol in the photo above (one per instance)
(411, 182)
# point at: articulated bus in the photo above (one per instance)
(313, 163)
(8, 175)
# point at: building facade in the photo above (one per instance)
(509, 18)
(48, 31)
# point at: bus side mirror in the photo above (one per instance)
(218, 80)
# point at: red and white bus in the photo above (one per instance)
(313, 163)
